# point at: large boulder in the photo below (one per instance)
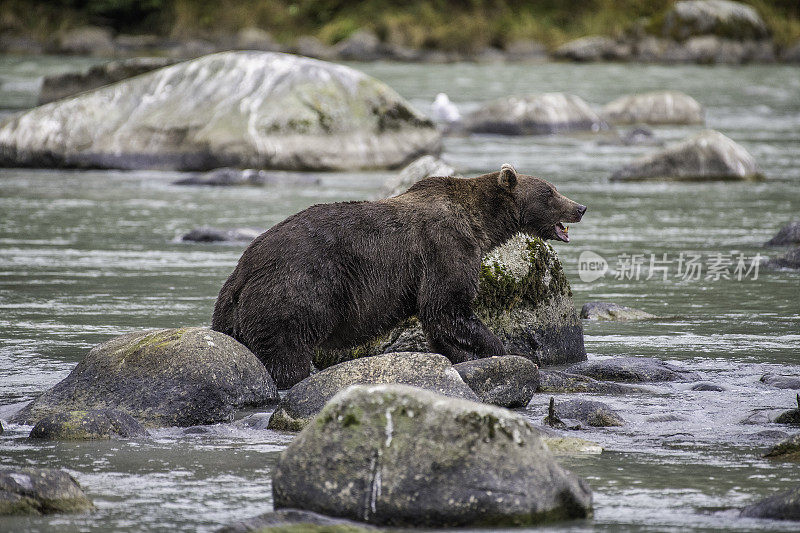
(168, 377)
(58, 86)
(790, 259)
(87, 425)
(722, 18)
(424, 370)
(540, 114)
(524, 298)
(782, 506)
(789, 234)
(393, 455)
(709, 155)
(507, 381)
(658, 107)
(632, 369)
(612, 311)
(424, 167)
(242, 109)
(34, 491)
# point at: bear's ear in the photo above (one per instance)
(508, 177)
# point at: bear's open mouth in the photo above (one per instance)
(562, 232)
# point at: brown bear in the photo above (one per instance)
(338, 275)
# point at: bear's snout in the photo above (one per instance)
(581, 210)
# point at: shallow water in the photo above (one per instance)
(85, 256)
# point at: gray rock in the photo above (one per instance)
(781, 382)
(705, 386)
(393, 455)
(658, 107)
(596, 414)
(168, 377)
(296, 521)
(709, 49)
(593, 48)
(36, 491)
(557, 381)
(541, 114)
(713, 17)
(790, 259)
(313, 47)
(791, 54)
(489, 55)
(58, 86)
(525, 50)
(791, 416)
(789, 234)
(786, 450)
(139, 44)
(253, 38)
(363, 45)
(227, 177)
(524, 298)
(508, 381)
(612, 311)
(87, 40)
(423, 167)
(208, 234)
(633, 370)
(709, 155)
(424, 370)
(244, 109)
(87, 425)
(782, 506)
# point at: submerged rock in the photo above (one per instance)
(421, 168)
(87, 425)
(393, 455)
(705, 386)
(296, 521)
(787, 449)
(782, 506)
(789, 234)
(244, 109)
(790, 259)
(596, 414)
(659, 107)
(168, 377)
(225, 177)
(709, 155)
(633, 369)
(792, 416)
(508, 381)
(524, 298)
(207, 234)
(58, 86)
(713, 17)
(425, 370)
(611, 311)
(781, 382)
(35, 491)
(557, 381)
(540, 114)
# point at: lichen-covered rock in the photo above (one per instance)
(58, 86)
(611, 311)
(790, 259)
(245, 109)
(524, 298)
(168, 377)
(508, 381)
(393, 455)
(296, 521)
(425, 370)
(596, 414)
(782, 506)
(709, 155)
(632, 369)
(87, 425)
(781, 382)
(207, 234)
(540, 114)
(34, 491)
(722, 18)
(787, 449)
(593, 48)
(423, 167)
(789, 234)
(658, 107)
(558, 381)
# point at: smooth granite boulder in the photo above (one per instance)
(35, 491)
(87, 425)
(167, 377)
(507, 381)
(658, 107)
(399, 456)
(249, 109)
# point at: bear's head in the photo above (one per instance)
(542, 209)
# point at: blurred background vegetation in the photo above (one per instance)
(460, 25)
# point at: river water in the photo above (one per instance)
(87, 255)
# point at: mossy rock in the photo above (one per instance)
(168, 377)
(36, 491)
(393, 455)
(87, 425)
(524, 298)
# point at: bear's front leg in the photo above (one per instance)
(460, 336)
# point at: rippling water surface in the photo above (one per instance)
(85, 256)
